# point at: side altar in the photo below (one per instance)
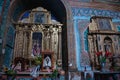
(38, 47)
(38, 35)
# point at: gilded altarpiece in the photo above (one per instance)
(37, 37)
(102, 37)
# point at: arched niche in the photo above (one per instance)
(61, 10)
(108, 44)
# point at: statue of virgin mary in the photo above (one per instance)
(47, 62)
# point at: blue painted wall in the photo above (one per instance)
(1, 5)
(9, 46)
(4, 18)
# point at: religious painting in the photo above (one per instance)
(108, 44)
(47, 61)
(36, 43)
(104, 24)
(40, 17)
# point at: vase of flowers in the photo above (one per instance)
(102, 58)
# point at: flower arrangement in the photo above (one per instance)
(38, 60)
(102, 56)
(11, 73)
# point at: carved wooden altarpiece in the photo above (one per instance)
(35, 37)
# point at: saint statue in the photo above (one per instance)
(47, 62)
(18, 66)
(36, 49)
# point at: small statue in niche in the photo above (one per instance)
(47, 62)
(36, 49)
(18, 66)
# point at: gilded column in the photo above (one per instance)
(16, 40)
(30, 44)
(95, 49)
(59, 46)
(25, 43)
(21, 42)
(50, 41)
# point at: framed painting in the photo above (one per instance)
(104, 24)
(41, 17)
(47, 61)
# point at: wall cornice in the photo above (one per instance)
(97, 5)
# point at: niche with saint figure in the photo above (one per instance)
(36, 43)
(108, 44)
(47, 60)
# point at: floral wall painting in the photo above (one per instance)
(36, 43)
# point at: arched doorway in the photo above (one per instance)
(61, 10)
